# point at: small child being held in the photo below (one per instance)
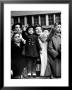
(32, 50)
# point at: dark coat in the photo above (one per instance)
(54, 54)
(32, 47)
(24, 34)
(17, 60)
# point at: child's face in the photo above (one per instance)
(17, 38)
(17, 27)
(30, 31)
(38, 30)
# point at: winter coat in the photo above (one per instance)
(32, 47)
(54, 54)
(17, 60)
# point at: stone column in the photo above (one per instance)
(25, 20)
(47, 20)
(39, 20)
(54, 19)
(32, 20)
(12, 21)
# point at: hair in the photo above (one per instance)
(37, 25)
(13, 27)
(14, 35)
(29, 28)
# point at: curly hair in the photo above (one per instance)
(13, 27)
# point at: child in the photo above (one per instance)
(32, 49)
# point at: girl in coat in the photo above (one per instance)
(32, 49)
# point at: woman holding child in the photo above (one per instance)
(42, 37)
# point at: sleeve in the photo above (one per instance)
(24, 35)
(38, 45)
(51, 49)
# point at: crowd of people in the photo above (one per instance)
(31, 44)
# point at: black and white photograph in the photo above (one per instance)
(36, 44)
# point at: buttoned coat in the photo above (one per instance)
(32, 47)
(54, 54)
(17, 59)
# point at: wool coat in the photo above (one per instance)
(54, 54)
(18, 61)
(32, 47)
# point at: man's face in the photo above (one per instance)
(17, 27)
(58, 29)
(38, 30)
(17, 38)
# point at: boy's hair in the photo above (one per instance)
(38, 26)
(13, 27)
(14, 35)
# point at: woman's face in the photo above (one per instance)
(17, 27)
(30, 31)
(38, 30)
(17, 38)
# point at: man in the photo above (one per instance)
(54, 53)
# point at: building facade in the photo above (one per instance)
(43, 18)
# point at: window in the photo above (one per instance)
(22, 20)
(12, 21)
(15, 20)
(36, 21)
(51, 19)
(29, 20)
(58, 18)
(43, 20)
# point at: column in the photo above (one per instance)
(60, 18)
(54, 19)
(12, 21)
(25, 20)
(32, 20)
(18, 19)
(39, 20)
(47, 20)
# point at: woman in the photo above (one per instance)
(42, 37)
(54, 52)
(45, 68)
(17, 60)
